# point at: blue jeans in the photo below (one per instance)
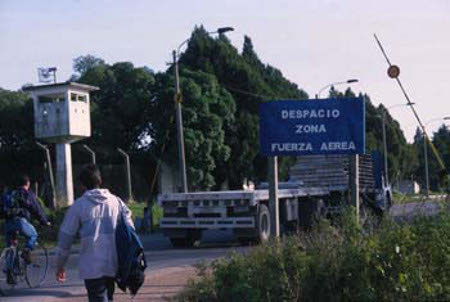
(24, 228)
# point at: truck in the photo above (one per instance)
(318, 187)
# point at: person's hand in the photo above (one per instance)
(61, 275)
(46, 223)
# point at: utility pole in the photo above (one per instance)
(179, 121)
(425, 154)
(386, 173)
(179, 116)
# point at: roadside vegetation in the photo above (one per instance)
(337, 262)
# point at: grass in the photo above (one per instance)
(336, 262)
(137, 208)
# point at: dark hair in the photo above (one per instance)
(90, 177)
(21, 180)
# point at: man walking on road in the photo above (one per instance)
(94, 215)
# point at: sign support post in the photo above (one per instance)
(273, 197)
(354, 182)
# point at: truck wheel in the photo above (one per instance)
(263, 223)
(188, 241)
(179, 242)
(388, 201)
(193, 236)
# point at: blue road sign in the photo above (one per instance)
(331, 126)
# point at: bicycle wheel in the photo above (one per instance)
(7, 278)
(36, 271)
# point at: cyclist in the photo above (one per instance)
(20, 204)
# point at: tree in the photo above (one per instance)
(82, 64)
(121, 109)
(441, 140)
(249, 81)
(18, 151)
(208, 110)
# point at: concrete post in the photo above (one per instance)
(64, 182)
(52, 202)
(91, 152)
(127, 162)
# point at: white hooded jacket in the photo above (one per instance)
(94, 215)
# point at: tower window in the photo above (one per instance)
(75, 97)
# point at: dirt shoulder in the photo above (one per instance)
(158, 286)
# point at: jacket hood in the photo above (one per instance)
(98, 195)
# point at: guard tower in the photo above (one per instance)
(62, 116)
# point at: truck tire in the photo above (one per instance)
(263, 223)
(188, 241)
(311, 210)
(179, 242)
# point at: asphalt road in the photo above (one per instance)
(161, 255)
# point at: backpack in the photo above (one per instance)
(2, 210)
(130, 257)
(11, 204)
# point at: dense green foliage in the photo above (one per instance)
(249, 82)
(395, 262)
(441, 140)
(121, 109)
(18, 151)
(208, 112)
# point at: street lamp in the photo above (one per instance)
(179, 116)
(334, 84)
(383, 118)
(425, 139)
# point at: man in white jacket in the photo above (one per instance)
(94, 216)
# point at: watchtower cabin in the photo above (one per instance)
(61, 111)
(62, 116)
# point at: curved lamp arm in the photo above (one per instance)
(336, 83)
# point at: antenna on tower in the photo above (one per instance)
(45, 73)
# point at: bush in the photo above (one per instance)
(394, 262)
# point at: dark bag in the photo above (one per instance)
(11, 204)
(2, 206)
(130, 256)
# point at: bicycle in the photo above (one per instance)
(14, 269)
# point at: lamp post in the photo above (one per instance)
(425, 152)
(383, 118)
(179, 116)
(336, 83)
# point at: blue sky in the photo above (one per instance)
(312, 42)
